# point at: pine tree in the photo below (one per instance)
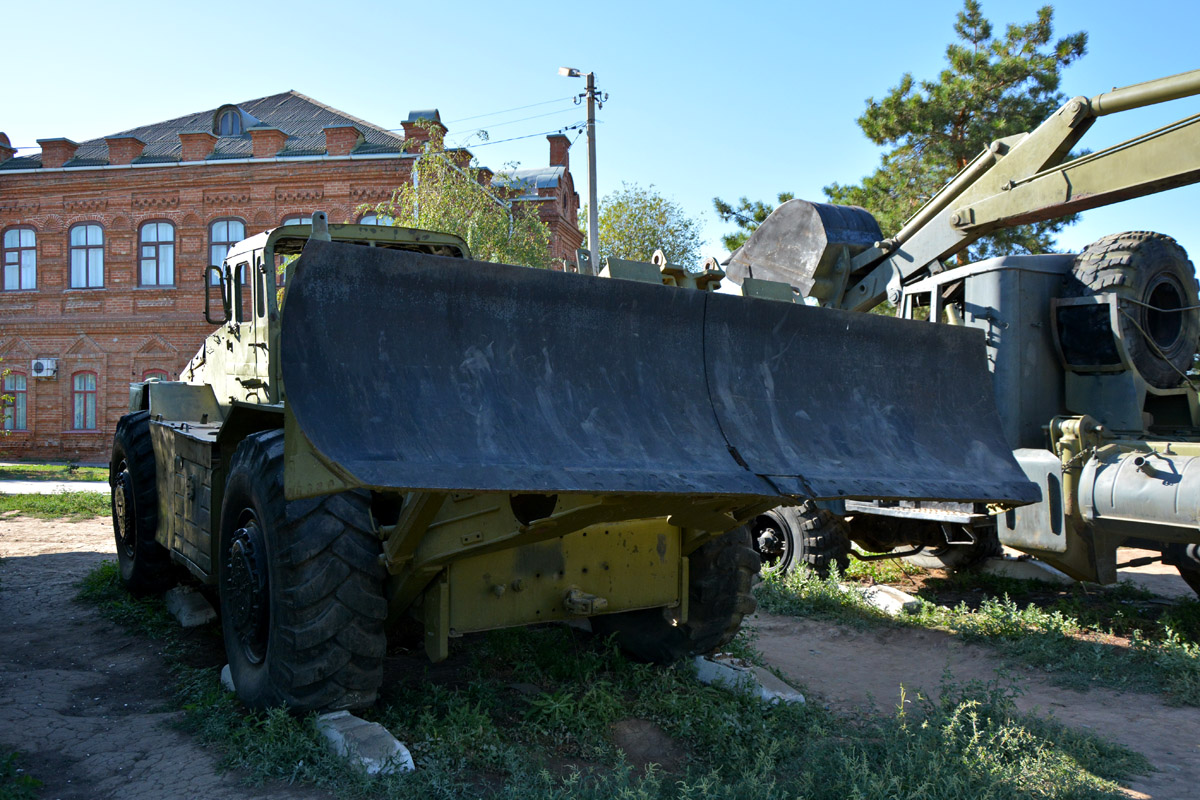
(992, 87)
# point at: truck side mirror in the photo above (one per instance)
(208, 284)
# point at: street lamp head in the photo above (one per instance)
(569, 72)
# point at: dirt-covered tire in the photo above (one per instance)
(144, 563)
(301, 589)
(1153, 278)
(788, 536)
(721, 573)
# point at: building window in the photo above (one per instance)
(20, 259)
(221, 235)
(14, 401)
(83, 399)
(161, 374)
(297, 219)
(376, 219)
(87, 256)
(229, 123)
(157, 242)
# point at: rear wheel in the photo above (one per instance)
(144, 563)
(720, 576)
(301, 589)
(1186, 558)
(1157, 290)
(957, 556)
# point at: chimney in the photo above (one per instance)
(197, 145)
(267, 141)
(340, 140)
(7, 151)
(560, 150)
(124, 149)
(56, 152)
(416, 133)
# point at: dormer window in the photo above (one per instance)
(229, 123)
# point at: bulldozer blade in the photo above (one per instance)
(425, 373)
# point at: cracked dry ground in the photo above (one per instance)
(83, 701)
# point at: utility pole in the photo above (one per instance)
(594, 100)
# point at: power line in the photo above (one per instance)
(505, 111)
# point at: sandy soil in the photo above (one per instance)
(84, 701)
(79, 698)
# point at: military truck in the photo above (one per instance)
(399, 432)
(1090, 353)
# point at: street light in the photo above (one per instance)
(593, 213)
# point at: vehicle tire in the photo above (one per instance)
(144, 563)
(787, 536)
(1186, 558)
(1152, 276)
(720, 574)
(952, 557)
(301, 589)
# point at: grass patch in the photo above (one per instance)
(51, 472)
(1080, 636)
(71, 505)
(15, 783)
(535, 713)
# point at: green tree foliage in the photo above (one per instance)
(746, 215)
(635, 221)
(452, 194)
(992, 87)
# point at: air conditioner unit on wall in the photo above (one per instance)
(44, 367)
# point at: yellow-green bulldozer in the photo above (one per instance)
(397, 431)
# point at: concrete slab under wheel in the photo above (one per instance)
(723, 669)
(368, 744)
(191, 608)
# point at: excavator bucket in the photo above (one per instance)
(417, 372)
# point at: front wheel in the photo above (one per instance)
(301, 589)
(720, 576)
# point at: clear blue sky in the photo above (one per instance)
(706, 98)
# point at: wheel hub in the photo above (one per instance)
(122, 504)
(246, 590)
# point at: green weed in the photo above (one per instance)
(15, 783)
(70, 505)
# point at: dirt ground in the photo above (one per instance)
(84, 702)
(79, 698)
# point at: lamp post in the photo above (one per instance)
(593, 209)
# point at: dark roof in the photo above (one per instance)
(301, 117)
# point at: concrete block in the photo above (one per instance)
(1027, 569)
(227, 679)
(191, 608)
(734, 673)
(367, 744)
(890, 600)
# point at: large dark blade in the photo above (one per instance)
(841, 404)
(420, 372)
(425, 372)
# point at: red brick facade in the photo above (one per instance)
(122, 329)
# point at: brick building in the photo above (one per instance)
(105, 243)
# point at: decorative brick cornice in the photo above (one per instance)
(29, 207)
(362, 194)
(79, 204)
(156, 200)
(230, 197)
(295, 194)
